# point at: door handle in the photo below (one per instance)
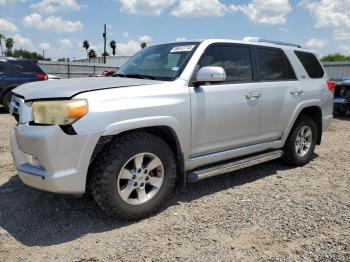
(297, 92)
(252, 95)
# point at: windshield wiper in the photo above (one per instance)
(137, 76)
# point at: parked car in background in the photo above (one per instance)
(342, 98)
(106, 73)
(15, 72)
(53, 77)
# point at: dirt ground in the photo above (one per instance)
(269, 212)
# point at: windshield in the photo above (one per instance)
(160, 62)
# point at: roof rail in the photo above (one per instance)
(256, 39)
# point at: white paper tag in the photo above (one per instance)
(184, 48)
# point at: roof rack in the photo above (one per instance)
(256, 39)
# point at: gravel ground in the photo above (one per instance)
(267, 213)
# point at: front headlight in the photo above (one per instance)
(59, 112)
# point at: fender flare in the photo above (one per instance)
(303, 105)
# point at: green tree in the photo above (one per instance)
(113, 45)
(27, 54)
(92, 53)
(86, 45)
(9, 44)
(335, 58)
(143, 45)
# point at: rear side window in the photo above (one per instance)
(236, 61)
(273, 65)
(311, 64)
(26, 66)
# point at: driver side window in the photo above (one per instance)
(235, 59)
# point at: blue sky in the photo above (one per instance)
(59, 26)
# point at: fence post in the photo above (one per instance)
(68, 70)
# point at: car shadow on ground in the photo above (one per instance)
(37, 218)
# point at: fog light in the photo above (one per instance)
(32, 160)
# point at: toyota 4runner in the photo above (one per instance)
(174, 112)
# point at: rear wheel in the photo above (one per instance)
(134, 176)
(340, 110)
(301, 142)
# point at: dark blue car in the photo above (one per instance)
(342, 97)
(15, 72)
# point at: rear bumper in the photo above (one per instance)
(61, 161)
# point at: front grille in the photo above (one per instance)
(20, 110)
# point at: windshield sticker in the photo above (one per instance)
(184, 48)
(175, 68)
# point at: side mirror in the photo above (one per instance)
(210, 74)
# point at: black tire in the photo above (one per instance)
(106, 170)
(6, 100)
(340, 111)
(291, 156)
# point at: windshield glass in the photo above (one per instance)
(160, 62)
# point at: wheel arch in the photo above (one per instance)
(164, 132)
(312, 109)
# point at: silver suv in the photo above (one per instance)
(174, 112)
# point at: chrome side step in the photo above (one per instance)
(196, 175)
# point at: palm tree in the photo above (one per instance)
(113, 45)
(92, 53)
(143, 45)
(86, 45)
(9, 44)
(2, 37)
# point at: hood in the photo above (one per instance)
(67, 88)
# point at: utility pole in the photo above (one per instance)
(105, 43)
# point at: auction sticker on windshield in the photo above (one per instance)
(183, 48)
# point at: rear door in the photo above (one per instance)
(281, 92)
(225, 115)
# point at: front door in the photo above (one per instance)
(225, 115)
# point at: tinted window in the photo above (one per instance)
(25, 66)
(161, 62)
(273, 65)
(2, 68)
(235, 60)
(311, 64)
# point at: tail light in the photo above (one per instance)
(42, 76)
(331, 85)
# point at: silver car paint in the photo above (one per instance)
(212, 123)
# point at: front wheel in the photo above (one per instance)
(7, 100)
(134, 176)
(301, 142)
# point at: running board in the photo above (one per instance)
(197, 175)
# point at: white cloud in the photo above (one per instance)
(126, 34)
(147, 39)
(44, 45)
(265, 11)
(52, 23)
(7, 26)
(345, 49)
(331, 14)
(53, 6)
(23, 42)
(198, 8)
(180, 39)
(129, 48)
(315, 43)
(145, 7)
(65, 43)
